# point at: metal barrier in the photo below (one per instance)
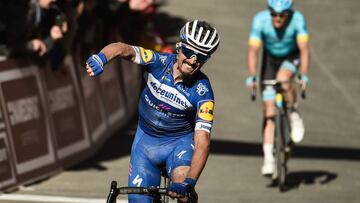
(50, 120)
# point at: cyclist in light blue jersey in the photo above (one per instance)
(175, 109)
(282, 33)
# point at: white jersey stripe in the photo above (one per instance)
(166, 93)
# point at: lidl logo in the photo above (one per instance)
(206, 111)
(146, 55)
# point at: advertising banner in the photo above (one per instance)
(67, 116)
(29, 133)
(7, 174)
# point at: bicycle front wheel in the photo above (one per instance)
(280, 154)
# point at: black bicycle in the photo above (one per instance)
(282, 142)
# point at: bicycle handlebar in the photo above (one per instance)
(142, 190)
(275, 83)
(115, 191)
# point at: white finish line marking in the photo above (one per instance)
(58, 199)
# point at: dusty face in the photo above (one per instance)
(279, 19)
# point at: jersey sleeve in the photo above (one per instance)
(255, 31)
(205, 108)
(147, 58)
(302, 32)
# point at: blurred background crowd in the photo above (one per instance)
(47, 29)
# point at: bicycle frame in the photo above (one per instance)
(282, 146)
(282, 142)
(281, 139)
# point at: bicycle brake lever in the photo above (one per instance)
(253, 94)
(113, 193)
(193, 196)
(303, 94)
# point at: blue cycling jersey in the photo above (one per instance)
(278, 42)
(167, 108)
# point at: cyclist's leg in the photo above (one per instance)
(285, 74)
(287, 71)
(268, 137)
(179, 161)
(268, 72)
(142, 172)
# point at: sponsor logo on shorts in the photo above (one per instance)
(137, 180)
(181, 154)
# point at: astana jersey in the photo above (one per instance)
(278, 42)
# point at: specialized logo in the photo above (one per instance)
(201, 89)
(137, 181)
(181, 154)
(146, 55)
(206, 111)
(166, 93)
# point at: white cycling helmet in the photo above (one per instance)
(280, 5)
(200, 35)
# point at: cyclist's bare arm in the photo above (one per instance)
(304, 57)
(304, 48)
(201, 153)
(253, 51)
(119, 49)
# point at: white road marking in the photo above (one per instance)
(57, 199)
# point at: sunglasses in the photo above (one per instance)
(281, 15)
(190, 52)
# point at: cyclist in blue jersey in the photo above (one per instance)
(175, 109)
(282, 33)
